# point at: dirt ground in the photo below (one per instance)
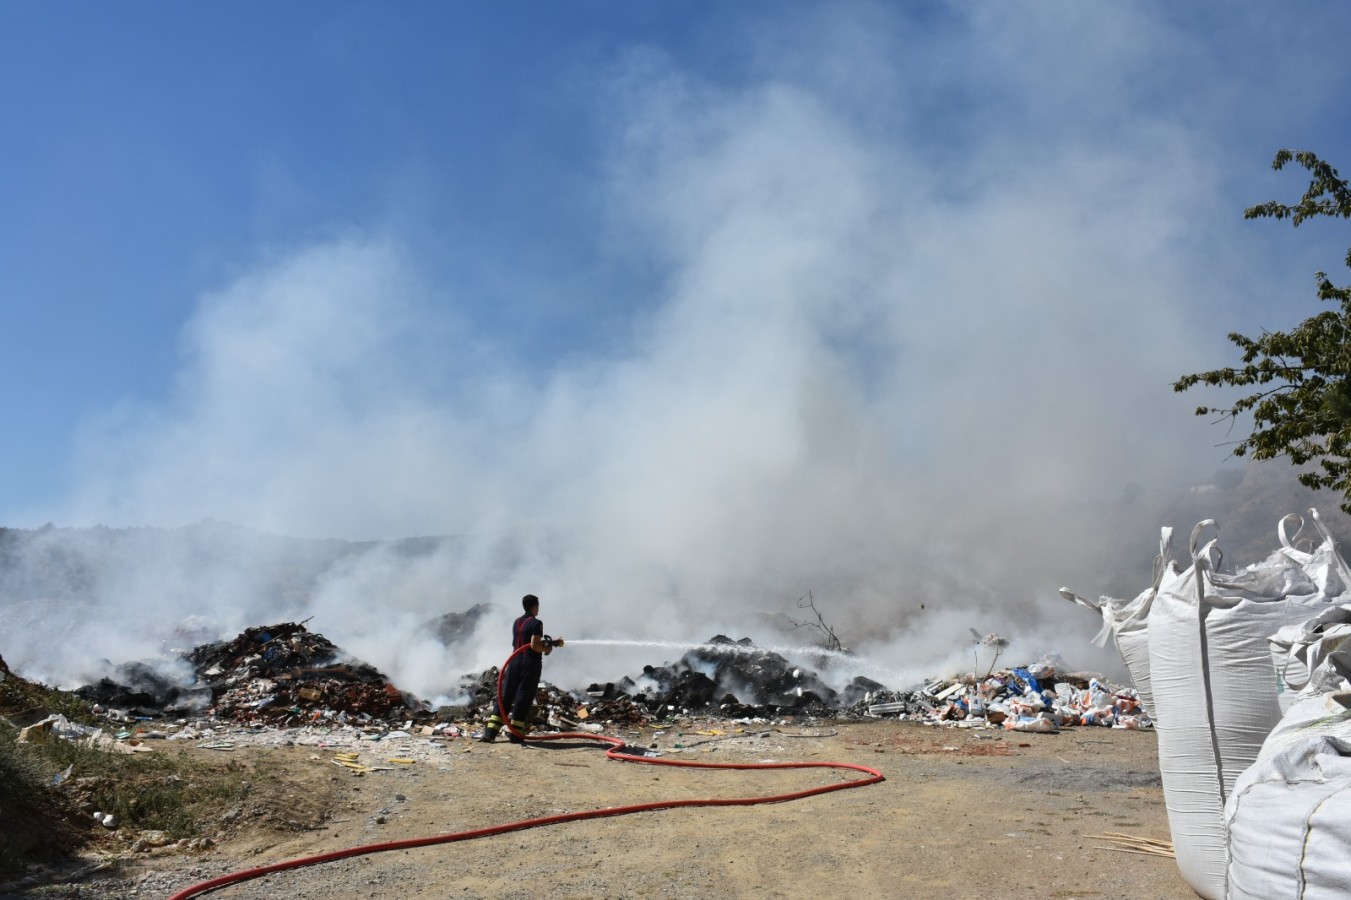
(963, 813)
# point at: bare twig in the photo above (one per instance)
(998, 642)
(832, 641)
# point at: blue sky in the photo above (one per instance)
(692, 292)
(157, 152)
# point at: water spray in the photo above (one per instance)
(846, 662)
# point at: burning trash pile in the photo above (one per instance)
(285, 674)
(722, 678)
(141, 691)
(713, 679)
(271, 675)
(735, 679)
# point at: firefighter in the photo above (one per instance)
(520, 683)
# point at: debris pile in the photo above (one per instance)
(144, 692)
(481, 690)
(1033, 698)
(285, 674)
(723, 678)
(712, 679)
(737, 678)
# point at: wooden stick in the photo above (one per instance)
(1158, 853)
(1130, 837)
(1139, 845)
(1134, 837)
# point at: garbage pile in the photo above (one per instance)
(735, 676)
(56, 725)
(554, 707)
(1031, 698)
(723, 678)
(285, 674)
(711, 679)
(142, 691)
(729, 678)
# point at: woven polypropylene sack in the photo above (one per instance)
(1126, 622)
(1297, 648)
(1288, 818)
(1214, 687)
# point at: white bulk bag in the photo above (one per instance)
(1289, 815)
(1215, 690)
(1126, 622)
(1297, 648)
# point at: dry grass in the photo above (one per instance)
(46, 822)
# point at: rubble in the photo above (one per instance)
(734, 679)
(286, 676)
(712, 679)
(280, 674)
(143, 692)
(1014, 699)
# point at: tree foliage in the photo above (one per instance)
(1301, 405)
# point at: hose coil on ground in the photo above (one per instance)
(617, 751)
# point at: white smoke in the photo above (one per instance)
(919, 296)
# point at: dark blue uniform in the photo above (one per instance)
(520, 679)
(521, 682)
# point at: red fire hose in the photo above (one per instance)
(616, 751)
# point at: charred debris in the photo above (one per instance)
(285, 675)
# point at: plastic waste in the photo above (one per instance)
(1037, 725)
